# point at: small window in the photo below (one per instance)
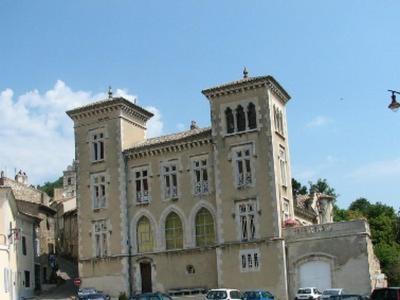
(251, 116)
(141, 184)
(170, 174)
(27, 279)
(23, 245)
(230, 122)
(240, 119)
(249, 260)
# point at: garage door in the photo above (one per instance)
(315, 274)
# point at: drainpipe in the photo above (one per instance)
(129, 228)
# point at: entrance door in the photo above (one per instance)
(316, 274)
(37, 277)
(145, 273)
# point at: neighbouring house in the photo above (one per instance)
(35, 203)
(17, 251)
(207, 207)
(66, 218)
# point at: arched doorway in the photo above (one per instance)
(316, 273)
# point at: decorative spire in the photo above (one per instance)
(245, 73)
(109, 92)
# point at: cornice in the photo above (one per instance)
(247, 84)
(107, 106)
(169, 147)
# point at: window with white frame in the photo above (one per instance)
(97, 146)
(141, 177)
(101, 232)
(282, 166)
(246, 212)
(278, 120)
(200, 174)
(99, 191)
(249, 260)
(243, 166)
(170, 179)
(286, 209)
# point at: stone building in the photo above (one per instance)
(199, 209)
(66, 218)
(17, 253)
(35, 203)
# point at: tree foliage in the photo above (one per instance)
(298, 188)
(322, 186)
(48, 187)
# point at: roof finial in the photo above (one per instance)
(245, 72)
(109, 92)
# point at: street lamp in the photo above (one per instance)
(394, 105)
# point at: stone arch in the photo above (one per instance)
(192, 220)
(153, 223)
(164, 215)
(321, 257)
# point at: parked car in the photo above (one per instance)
(389, 293)
(226, 294)
(151, 296)
(331, 292)
(91, 293)
(258, 295)
(309, 293)
(348, 297)
(95, 296)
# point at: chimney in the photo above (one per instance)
(193, 125)
(2, 176)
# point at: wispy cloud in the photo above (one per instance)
(313, 172)
(376, 170)
(318, 121)
(37, 136)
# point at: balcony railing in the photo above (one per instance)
(201, 187)
(142, 197)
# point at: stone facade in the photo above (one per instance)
(66, 218)
(35, 203)
(17, 253)
(199, 209)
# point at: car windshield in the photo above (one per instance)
(331, 292)
(94, 297)
(251, 295)
(304, 291)
(216, 295)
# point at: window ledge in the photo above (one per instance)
(241, 132)
(142, 203)
(99, 209)
(98, 161)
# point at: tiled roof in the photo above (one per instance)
(172, 138)
(33, 209)
(111, 101)
(301, 201)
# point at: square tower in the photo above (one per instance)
(103, 130)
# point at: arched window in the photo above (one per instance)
(230, 123)
(240, 119)
(205, 234)
(251, 116)
(144, 234)
(173, 232)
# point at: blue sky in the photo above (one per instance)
(335, 58)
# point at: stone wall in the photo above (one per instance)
(344, 247)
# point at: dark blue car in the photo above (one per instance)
(258, 295)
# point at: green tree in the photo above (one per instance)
(298, 188)
(361, 205)
(322, 186)
(48, 187)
